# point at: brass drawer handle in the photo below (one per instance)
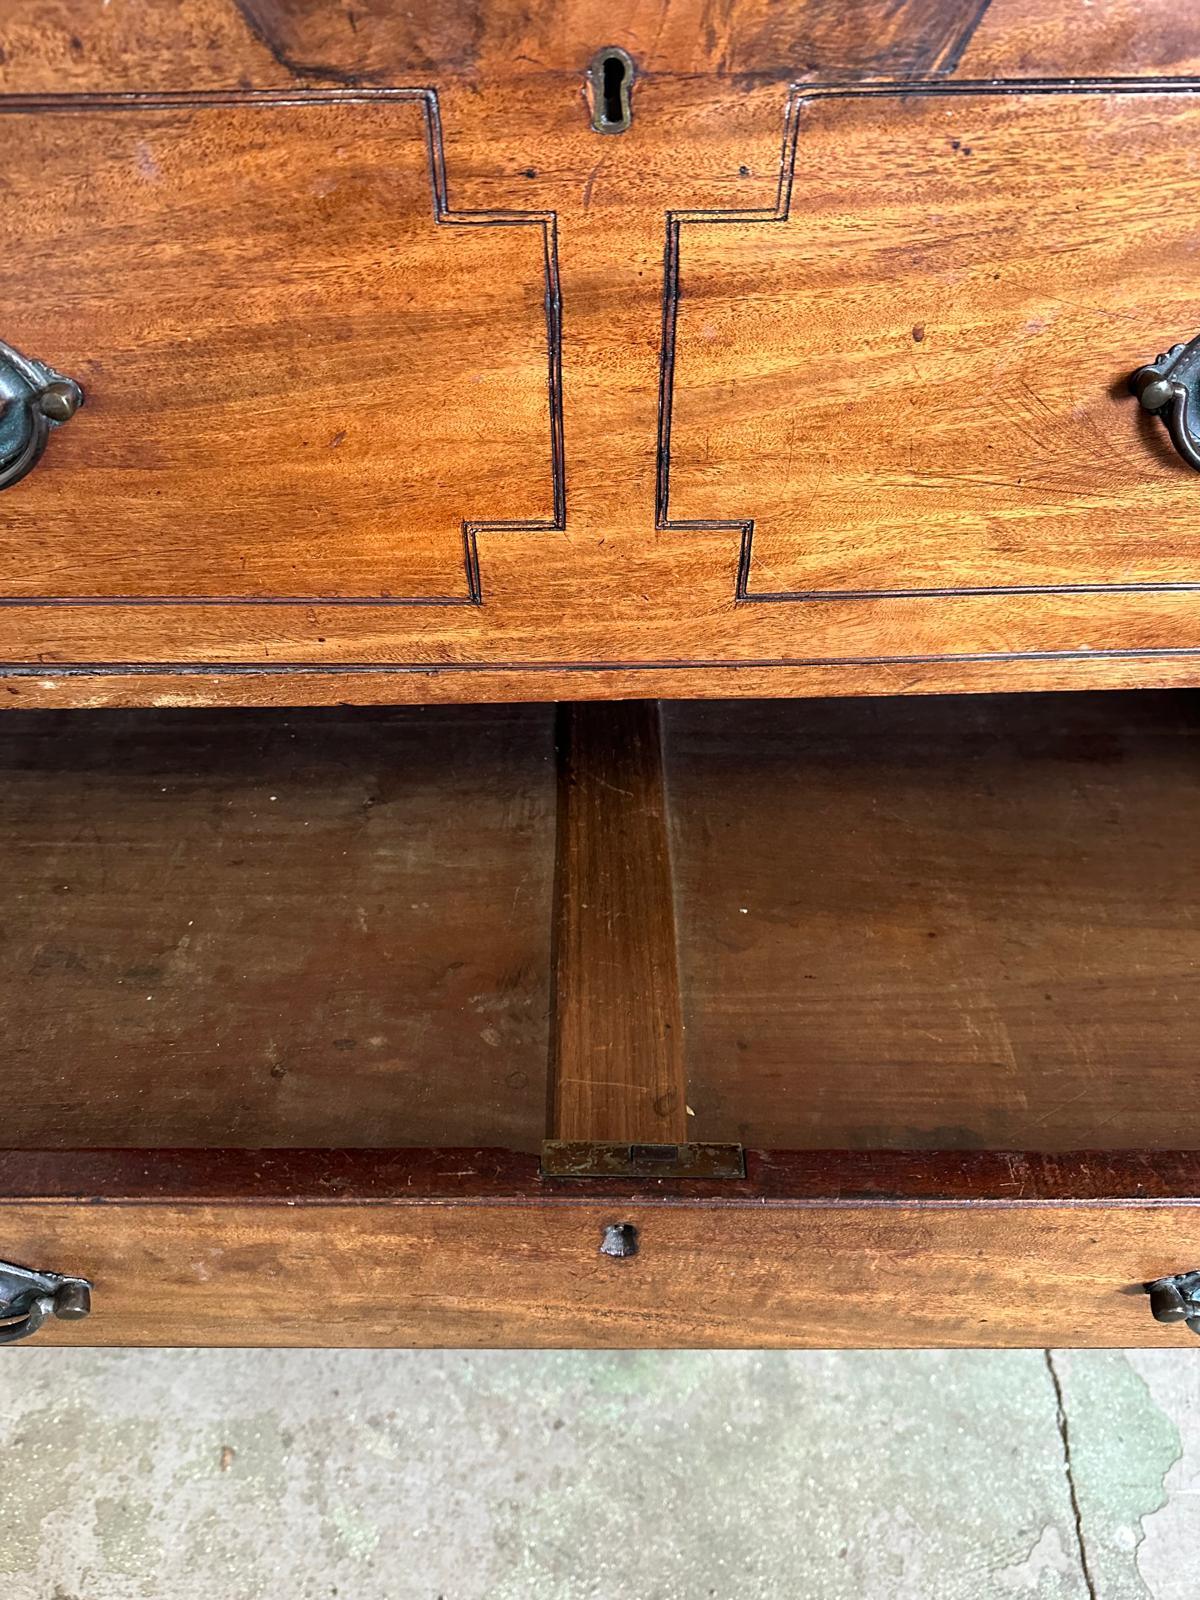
(34, 400)
(1167, 389)
(1176, 1299)
(27, 1298)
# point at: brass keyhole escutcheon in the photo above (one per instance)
(610, 89)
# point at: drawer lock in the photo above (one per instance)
(27, 1298)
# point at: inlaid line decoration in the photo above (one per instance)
(743, 527)
(445, 216)
(50, 673)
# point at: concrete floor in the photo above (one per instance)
(233, 1475)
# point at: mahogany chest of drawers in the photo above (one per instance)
(786, 391)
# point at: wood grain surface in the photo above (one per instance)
(823, 1251)
(1040, 38)
(116, 685)
(617, 1070)
(299, 385)
(90, 46)
(404, 384)
(940, 924)
(934, 410)
(937, 924)
(249, 929)
(897, 350)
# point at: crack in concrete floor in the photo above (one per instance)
(1064, 1433)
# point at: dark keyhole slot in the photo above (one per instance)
(611, 75)
(614, 84)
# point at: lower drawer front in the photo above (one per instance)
(514, 1273)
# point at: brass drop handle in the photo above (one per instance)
(1176, 1299)
(1167, 388)
(34, 400)
(27, 1298)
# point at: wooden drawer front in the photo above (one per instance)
(376, 388)
(494, 1256)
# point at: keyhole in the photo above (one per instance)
(610, 81)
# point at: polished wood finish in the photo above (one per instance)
(471, 1248)
(1043, 38)
(442, 417)
(90, 46)
(116, 685)
(941, 924)
(617, 1071)
(288, 421)
(246, 929)
(932, 437)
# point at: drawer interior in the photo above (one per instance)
(265, 929)
(930, 923)
(943, 923)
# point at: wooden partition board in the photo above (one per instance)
(618, 1069)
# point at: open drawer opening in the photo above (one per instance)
(943, 923)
